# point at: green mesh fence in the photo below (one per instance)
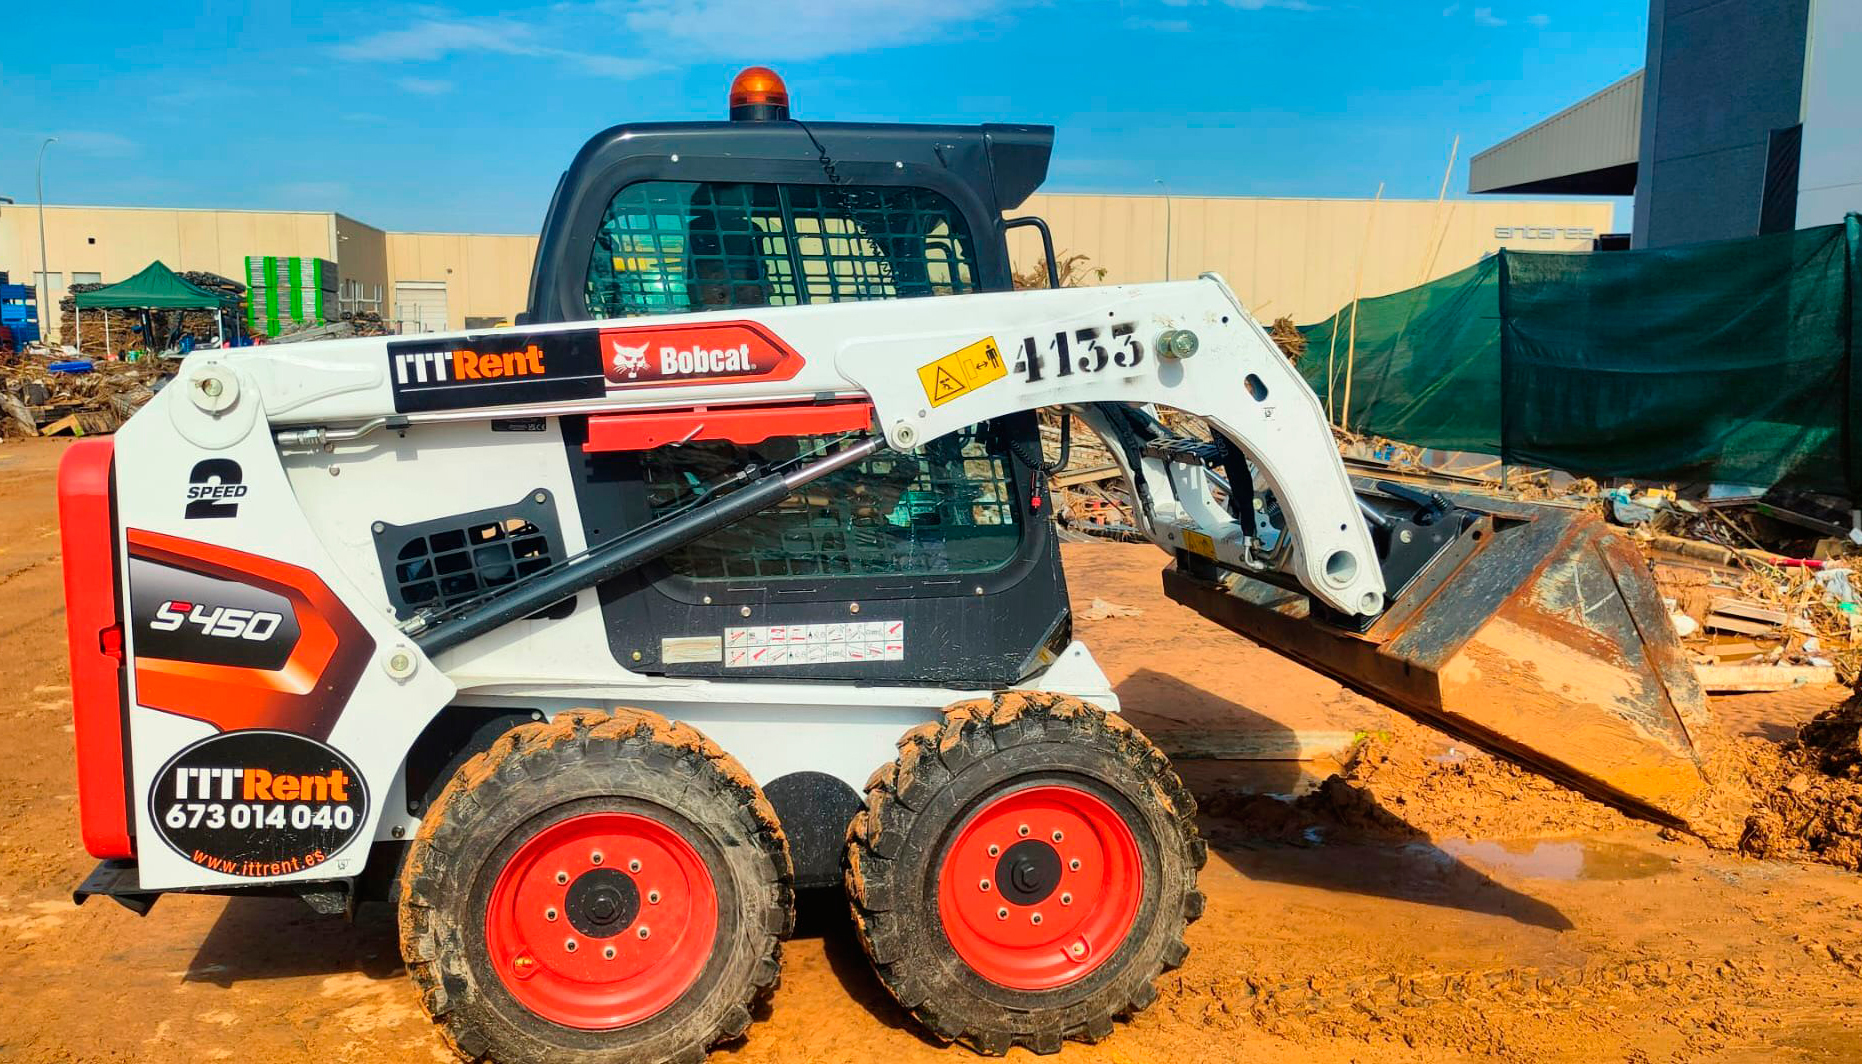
(1729, 362)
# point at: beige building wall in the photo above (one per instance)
(117, 242)
(1299, 257)
(1295, 257)
(487, 275)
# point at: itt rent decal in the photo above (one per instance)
(421, 367)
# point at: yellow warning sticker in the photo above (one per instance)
(1198, 543)
(962, 372)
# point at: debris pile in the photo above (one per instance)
(1291, 340)
(46, 395)
(349, 324)
(1810, 807)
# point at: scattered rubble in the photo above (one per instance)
(1810, 807)
(46, 394)
(350, 324)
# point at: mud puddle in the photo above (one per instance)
(1561, 859)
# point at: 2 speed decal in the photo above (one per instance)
(258, 804)
(214, 488)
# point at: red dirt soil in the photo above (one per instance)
(1327, 942)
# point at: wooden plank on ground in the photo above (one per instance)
(1724, 623)
(1751, 611)
(1730, 679)
(1086, 476)
(69, 423)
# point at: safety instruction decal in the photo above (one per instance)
(1199, 543)
(756, 646)
(963, 371)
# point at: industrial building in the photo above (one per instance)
(1742, 123)
(1294, 257)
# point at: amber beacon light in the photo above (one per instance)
(758, 95)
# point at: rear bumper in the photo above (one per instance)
(118, 880)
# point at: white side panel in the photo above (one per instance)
(155, 455)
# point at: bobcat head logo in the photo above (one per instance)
(630, 360)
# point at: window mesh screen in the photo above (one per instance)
(668, 247)
(948, 507)
(448, 566)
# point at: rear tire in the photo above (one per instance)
(601, 888)
(1024, 871)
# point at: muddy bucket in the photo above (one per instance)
(1536, 632)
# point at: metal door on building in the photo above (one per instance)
(420, 306)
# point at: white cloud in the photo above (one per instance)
(1159, 25)
(1540, 21)
(1484, 16)
(425, 86)
(313, 193)
(438, 34)
(735, 30)
(94, 143)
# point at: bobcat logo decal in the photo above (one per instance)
(629, 360)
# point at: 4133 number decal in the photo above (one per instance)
(1089, 350)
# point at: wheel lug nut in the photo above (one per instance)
(594, 858)
(1002, 914)
(562, 877)
(1066, 899)
(1058, 836)
(983, 885)
(569, 944)
(634, 865)
(652, 897)
(607, 952)
(1023, 830)
(643, 932)
(1074, 864)
(550, 915)
(994, 849)
(1035, 919)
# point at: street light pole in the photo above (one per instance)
(1166, 188)
(42, 290)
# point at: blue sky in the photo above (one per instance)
(460, 117)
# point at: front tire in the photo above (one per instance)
(1024, 871)
(601, 888)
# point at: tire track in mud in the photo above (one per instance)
(1526, 1013)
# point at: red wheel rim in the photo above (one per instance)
(601, 920)
(1040, 887)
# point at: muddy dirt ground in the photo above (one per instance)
(1561, 935)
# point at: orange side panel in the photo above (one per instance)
(94, 633)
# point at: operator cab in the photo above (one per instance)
(767, 210)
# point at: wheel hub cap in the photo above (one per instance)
(601, 920)
(1040, 886)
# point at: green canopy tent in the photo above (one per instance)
(156, 288)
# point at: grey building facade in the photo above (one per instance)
(1747, 119)
(1722, 98)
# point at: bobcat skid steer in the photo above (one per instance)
(728, 571)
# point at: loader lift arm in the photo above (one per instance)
(1530, 632)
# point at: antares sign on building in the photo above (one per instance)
(1544, 232)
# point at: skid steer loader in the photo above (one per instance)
(728, 570)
